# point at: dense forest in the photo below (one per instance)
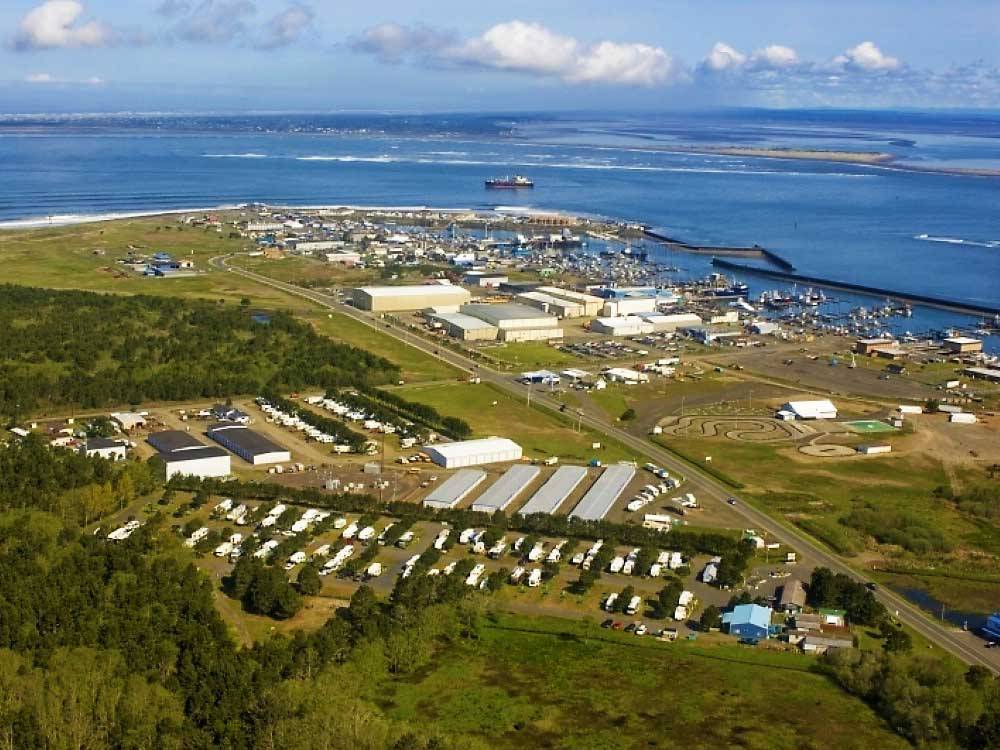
(69, 348)
(120, 645)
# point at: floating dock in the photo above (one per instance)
(969, 308)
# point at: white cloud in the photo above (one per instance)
(519, 46)
(286, 27)
(867, 57)
(57, 24)
(626, 64)
(726, 59)
(48, 78)
(215, 21)
(723, 57)
(774, 57)
(393, 43)
(523, 47)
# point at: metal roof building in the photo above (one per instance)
(465, 327)
(510, 315)
(183, 454)
(551, 304)
(605, 491)
(251, 446)
(474, 452)
(412, 297)
(506, 489)
(818, 409)
(591, 305)
(554, 492)
(749, 621)
(173, 440)
(451, 492)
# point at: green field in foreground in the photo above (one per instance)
(548, 683)
(541, 434)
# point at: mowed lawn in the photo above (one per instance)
(490, 411)
(531, 354)
(548, 683)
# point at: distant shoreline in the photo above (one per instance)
(803, 154)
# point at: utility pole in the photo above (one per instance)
(530, 383)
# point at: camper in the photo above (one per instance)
(350, 531)
(537, 552)
(633, 605)
(497, 550)
(617, 564)
(224, 549)
(441, 538)
(475, 574)
(296, 559)
(374, 570)
(366, 533)
(466, 536)
(535, 579)
(609, 603)
(516, 575)
(404, 539)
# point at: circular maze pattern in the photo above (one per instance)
(745, 429)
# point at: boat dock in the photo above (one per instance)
(968, 308)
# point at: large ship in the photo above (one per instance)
(517, 181)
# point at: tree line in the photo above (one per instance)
(88, 350)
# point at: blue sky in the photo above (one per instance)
(213, 55)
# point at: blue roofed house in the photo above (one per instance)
(748, 621)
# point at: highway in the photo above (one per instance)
(965, 646)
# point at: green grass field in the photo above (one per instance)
(541, 434)
(530, 354)
(549, 683)
(868, 426)
(83, 257)
(415, 365)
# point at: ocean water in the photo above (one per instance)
(885, 225)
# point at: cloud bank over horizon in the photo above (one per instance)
(775, 73)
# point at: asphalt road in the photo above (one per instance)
(964, 646)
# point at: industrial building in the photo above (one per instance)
(554, 492)
(506, 489)
(249, 445)
(629, 306)
(183, 455)
(605, 491)
(819, 409)
(510, 315)
(511, 335)
(751, 622)
(963, 345)
(474, 452)
(451, 492)
(553, 305)
(112, 450)
(464, 327)
(868, 346)
(591, 305)
(629, 325)
(663, 323)
(413, 297)
(985, 373)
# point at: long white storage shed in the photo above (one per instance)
(506, 489)
(411, 297)
(554, 492)
(450, 493)
(474, 452)
(606, 490)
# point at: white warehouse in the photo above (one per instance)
(819, 409)
(413, 297)
(474, 452)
